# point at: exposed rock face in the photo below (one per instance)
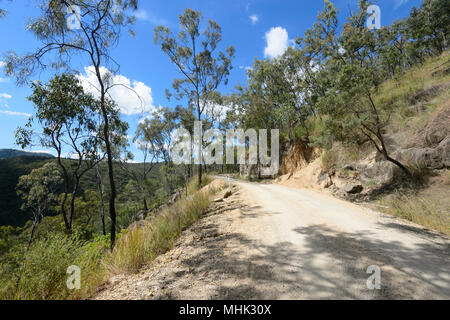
(354, 188)
(444, 150)
(141, 215)
(382, 173)
(324, 180)
(420, 157)
(438, 128)
(177, 195)
(296, 157)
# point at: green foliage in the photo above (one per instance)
(194, 53)
(38, 190)
(44, 272)
(329, 161)
(10, 171)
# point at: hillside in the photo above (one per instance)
(13, 168)
(418, 135)
(11, 153)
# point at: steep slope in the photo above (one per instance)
(418, 136)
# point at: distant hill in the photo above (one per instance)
(11, 153)
(15, 166)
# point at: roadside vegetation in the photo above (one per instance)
(43, 273)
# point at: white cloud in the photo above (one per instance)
(399, 3)
(70, 155)
(5, 96)
(244, 68)
(14, 113)
(143, 15)
(254, 18)
(132, 97)
(41, 151)
(2, 64)
(277, 42)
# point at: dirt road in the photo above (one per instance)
(285, 243)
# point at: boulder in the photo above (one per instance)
(421, 157)
(324, 180)
(444, 150)
(354, 188)
(141, 215)
(349, 167)
(382, 173)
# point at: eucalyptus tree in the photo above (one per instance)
(3, 12)
(187, 121)
(194, 54)
(355, 115)
(98, 29)
(39, 193)
(280, 84)
(429, 26)
(71, 127)
(140, 175)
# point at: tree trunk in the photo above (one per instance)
(398, 164)
(388, 158)
(102, 200)
(145, 205)
(113, 192)
(199, 175)
(30, 241)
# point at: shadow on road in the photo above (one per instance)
(329, 265)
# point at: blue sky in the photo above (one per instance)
(257, 29)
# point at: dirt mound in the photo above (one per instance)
(297, 157)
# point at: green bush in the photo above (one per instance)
(329, 160)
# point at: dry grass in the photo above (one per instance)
(429, 206)
(141, 245)
(417, 95)
(418, 210)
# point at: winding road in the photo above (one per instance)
(319, 247)
(268, 241)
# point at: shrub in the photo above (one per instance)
(329, 160)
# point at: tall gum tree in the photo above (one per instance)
(100, 25)
(195, 56)
(71, 125)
